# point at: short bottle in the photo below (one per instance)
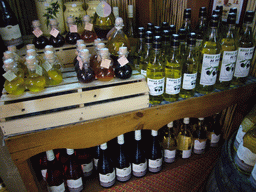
(56, 39)
(40, 41)
(214, 131)
(17, 58)
(88, 35)
(79, 47)
(84, 157)
(72, 36)
(200, 137)
(123, 69)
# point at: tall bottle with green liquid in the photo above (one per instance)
(155, 73)
(209, 59)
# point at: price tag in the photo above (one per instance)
(37, 32)
(88, 26)
(39, 70)
(54, 32)
(80, 62)
(73, 28)
(9, 76)
(105, 63)
(123, 61)
(47, 66)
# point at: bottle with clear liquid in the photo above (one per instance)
(189, 69)
(245, 50)
(140, 49)
(228, 55)
(173, 71)
(185, 139)
(123, 69)
(183, 42)
(88, 35)
(56, 39)
(214, 131)
(209, 59)
(40, 41)
(155, 73)
(200, 137)
(201, 27)
(72, 36)
(166, 44)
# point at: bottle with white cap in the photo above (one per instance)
(123, 69)
(88, 35)
(40, 41)
(72, 36)
(56, 39)
(200, 137)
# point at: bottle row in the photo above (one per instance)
(134, 153)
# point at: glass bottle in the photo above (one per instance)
(245, 50)
(155, 158)
(94, 60)
(106, 169)
(173, 70)
(214, 131)
(140, 50)
(116, 11)
(123, 165)
(157, 30)
(14, 78)
(73, 172)
(72, 36)
(189, 69)
(42, 162)
(155, 73)
(130, 22)
(138, 159)
(17, 58)
(32, 52)
(84, 157)
(40, 41)
(209, 59)
(166, 44)
(169, 144)
(221, 26)
(35, 81)
(54, 176)
(123, 69)
(183, 42)
(10, 55)
(201, 27)
(187, 21)
(88, 34)
(185, 139)
(200, 137)
(228, 55)
(217, 12)
(56, 39)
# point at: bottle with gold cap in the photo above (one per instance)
(72, 36)
(56, 39)
(88, 35)
(40, 41)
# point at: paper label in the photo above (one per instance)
(156, 86)
(10, 32)
(199, 145)
(124, 172)
(246, 155)
(60, 188)
(123, 61)
(37, 32)
(172, 86)
(106, 178)
(73, 28)
(105, 63)
(209, 69)
(240, 134)
(143, 72)
(39, 70)
(189, 81)
(74, 183)
(103, 9)
(54, 32)
(87, 167)
(88, 26)
(155, 163)
(215, 138)
(186, 153)
(227, 65)
(139, 167)
(9, 76)
(47, 66)
(243, 62)
(169, 154)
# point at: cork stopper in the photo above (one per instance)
(170, 124)
(30, 46)
(36, 23)
(8, 55)
(70, 20)
(30, 61)
(130, 11)
(87, 18)
(100, 46)
(85, 53)
(119, 22)
(49, 55)
(8, 63)
(122, 50)
(104, 51)
(49, 48)
(81, 46)
(53, 22)
(31, 52)
(12, 48)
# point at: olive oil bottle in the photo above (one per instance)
(140, 49)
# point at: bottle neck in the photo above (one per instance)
(213, 34)
(5, 7)
(230, 31)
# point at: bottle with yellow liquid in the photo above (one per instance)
(14, 78)
(35, 81)
(209, 59)
(183, 42)
(173, 71)
(155, 73)
(228, 55)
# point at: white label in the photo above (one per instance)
(60, 188)
(253, 173)
(105, 63)
(189, 81)
(156, 86)
(88, 26)
(155, 163)
(124, 172)
(9, 76)
(47, 66)
(74, 183)
(169, 153)
(228, 65)
(209, 69)
(43, 172)
(106, 178)
(172, 86)
(240, 134)
(10, 32)
(37, 32)
(246, 155)
(87, 167)
(215, 138)
(54, 32)
(143, 72)
(139, 167)
(243, 62)
(199, 145)
(186, 153)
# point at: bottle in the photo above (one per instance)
(200, 137)
(183, 42)
(123, 69)
(138, 159)
(169, 144)
(214, 131)
(54, 176)
(88, 34)
(140, 50)
(84, 157)
(245, 157)
(189, 69)
(35, 81)
(123, 165)
(72, 36)
(173, 70)
(209, 59)
(106, 169)
(14, 78)
(221, 26)
(187, 21)
(79, 47)
(73, 172)
(56, 39)
(253, 177)
(9, 26)
(155, 73)
(166, 44)
(130, 22)
(32, 52)
(157, 30)
(201, 27)
(94, 60)
(184, 139)
(40, 41)
(96, 157)
(17, 59)
(155, 158)
(245, 51)
(103, 19)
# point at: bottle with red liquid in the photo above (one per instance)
(40, 41)
(94, 61)
(56, 39)
(123, 69)
(88, 34)
(72, 36)
(84, 157)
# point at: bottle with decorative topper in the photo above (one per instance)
(40, 41)
(72, 36)
(123, 69)
(56, 39)
(88, 34)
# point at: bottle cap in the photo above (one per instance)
(141, 32)
(53, 22)
(12, 48)
(30, 46)
(187, 13)
(138, 135)
(31, 52)
(36, 23)
(233, 10)
(50, 155)
(81, 46)
(97, 41)
(175, 40)
(186, 120)
(103, 146)
(8, 55)
(214, 21)
(231, 18)
(154, 133)
(119, 22)
(157, 42)
(249, 15)
(130, 11)
(100, 46)
(87, 18)
(8, 63)
(123, 50)
(30, 61)
(201, 118)
(216, 12)
(165, 25)
(192, 38)
(49, 55)
(170, 124)
(150, 27)
(85, 53)
(120, 139)
(49, 48)
(157, 30)
(70, 20)
(70, 151)
(182, 34)
(172, 29)
(116, 11)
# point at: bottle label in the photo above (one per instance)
(199, 145)
(54, 32)
(240, 134)
(9, 76)
(183, 142)
(228, 65)
(169, 154)
(124, 172)
(139, 167)
(59, 188)
(47, 66)
(209, 69)
(37, 32)
(103, 9)
(215, 138)
(156, 86)
(88, 26)
(172, 86)
(39, 70)
(246, 155)
(186, 153)
(10, 32)
(189, 81)
(143, 72)
(74, 183)
(73, 28)
(243, 62)
(87, 167)
(106, 178)
(155, 163)
(105, 63)
(123, 61)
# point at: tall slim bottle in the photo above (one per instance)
(183, 42)
(200, 137)
(140, 49)
(155, 158)
(201, 27)
(187, 20)
(166, 44)
(214, 131)
(130, 22)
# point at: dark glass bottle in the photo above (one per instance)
(71, 36)
(172, 30)
(79, 46)
(84, 157)
(88, 34)
(56, 39)
(43, 164)
(157, 30)
(123, 69)
(200, 137)
(187, 21)
(166, 43)
(40, 41)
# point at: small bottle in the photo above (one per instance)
(200, 137)
(95, 59)
(140, 49)
(173, 70)
(214, 131)
(169, 144)
(72, 36)
(183, 42)
(201, 27)
(155, 158)
(88, 34)
(40, 41)
(130, 22)
(84, 158)
(106, 169)
(32, 52)
(56, 39)
(54, 176)
(123, 165)
(17, 58)
(73, 172)
(123, 69)
(184, 139)
(253, 177)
